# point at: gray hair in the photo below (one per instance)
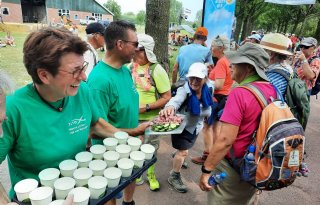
(6, 84)
(221, 41)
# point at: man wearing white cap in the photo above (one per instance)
(153, 85)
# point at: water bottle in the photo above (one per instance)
(216, 179)
(250, 155)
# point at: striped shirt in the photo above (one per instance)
(276, 78)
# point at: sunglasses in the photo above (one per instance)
(141, 48)
(134, 43)
(305, 47)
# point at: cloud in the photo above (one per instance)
(219, 15)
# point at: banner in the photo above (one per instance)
(218, 18)
(291, 2)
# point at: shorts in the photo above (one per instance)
(183, 141)
(232, 190)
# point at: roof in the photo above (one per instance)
(104, 7)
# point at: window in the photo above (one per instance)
(76, 17)
(97, 16)
(5, 10)
(62, 12)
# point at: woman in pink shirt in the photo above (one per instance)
(240, 118)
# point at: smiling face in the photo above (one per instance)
(196, 83)
(65, 83)
(307, 50)
(129, 46)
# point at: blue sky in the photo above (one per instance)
(136, 5)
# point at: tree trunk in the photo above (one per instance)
(157, 26)
(241, 4)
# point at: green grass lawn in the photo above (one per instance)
(11, 59)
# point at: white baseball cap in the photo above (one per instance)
(198, 70)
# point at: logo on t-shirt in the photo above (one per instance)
(77, 125)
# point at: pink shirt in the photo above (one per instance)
(315, 67)
(243, 110)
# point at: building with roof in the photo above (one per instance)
(54, 11)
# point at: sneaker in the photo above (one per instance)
(185, 164)
(153, 182)
(139, 181)
(200, 160)
(176, 182)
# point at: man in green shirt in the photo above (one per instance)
(49, 120)
(113, 89)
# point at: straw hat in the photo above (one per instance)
(276, 42)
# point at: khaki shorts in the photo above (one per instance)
(232, 190)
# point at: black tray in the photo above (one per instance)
(112, 192)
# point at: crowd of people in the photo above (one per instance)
(128, 87)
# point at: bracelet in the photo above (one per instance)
(148, 108)
(304, 61)
(203, 169)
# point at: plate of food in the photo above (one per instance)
(166, 126)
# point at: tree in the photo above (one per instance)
(176, 10)
(129, 16)
(114, 7)
(198, 19)
(141, 17)
(157, 26)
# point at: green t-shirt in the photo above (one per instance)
(37, 137)
(162, 82)
(115, 95)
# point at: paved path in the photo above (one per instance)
(303, 191)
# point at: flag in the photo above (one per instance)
(291, 2)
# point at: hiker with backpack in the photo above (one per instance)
(239, 121)
(153, 85)
(194, 100)
(307, 65)
(281, 75)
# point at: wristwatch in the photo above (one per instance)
(148, 108)
(203, 169)
(304, 61)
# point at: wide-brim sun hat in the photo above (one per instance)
(147, 42)
(252, 54)
(276, 42)
(198, 70)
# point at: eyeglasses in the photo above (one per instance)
(195, 79)
(78, 72)
(141, 49)
(134, 43)
(305, 47)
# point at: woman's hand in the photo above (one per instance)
(167, 112)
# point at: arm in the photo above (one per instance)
(103, 129)
(220, 148)
(175, 70)
(3, 195)
(307, 71)
(218, 83)
(160, 103)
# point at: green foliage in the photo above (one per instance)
(141, 17)
(114, 7)
(175, 10)
(129, 16)
(198, 19)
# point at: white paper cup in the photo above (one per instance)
(138, 158)
(67, 167)
(57, 202)
(97, 151)
(110, 143)
(82, 175)
(148, 149)
(121, 137)
(113, 176)
(24, 187)
(97, 186)
(98, 166)
(134, 143)
(123, 150)
(49, 176)
(126, 166)
(81, 195)
(63, 186)
(83, 158)
(111, 157)
(41, 196)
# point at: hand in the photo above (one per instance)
(69, 200)
(142, 108)
(168, 111)
(142, 127)
(203, 184)
(301, 56)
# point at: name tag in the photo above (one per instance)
(294, 158)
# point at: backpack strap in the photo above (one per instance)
(312, 58)
(257, 93)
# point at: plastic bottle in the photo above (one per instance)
(250, 155)
(217, 178)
